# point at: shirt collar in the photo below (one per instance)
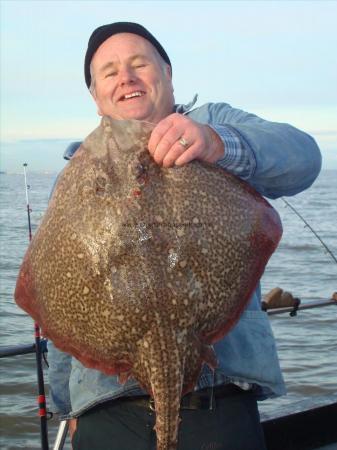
(184, 109)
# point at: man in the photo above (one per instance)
(129, 75)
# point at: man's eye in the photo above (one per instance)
(111, 74)
(138, 66)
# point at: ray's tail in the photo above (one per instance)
(169, 365)
(160, 369)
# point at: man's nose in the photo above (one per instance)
(126, 75)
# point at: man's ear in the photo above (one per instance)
(169, 71)
(169, 76)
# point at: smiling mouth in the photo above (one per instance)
(134, 94)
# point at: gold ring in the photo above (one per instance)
(182, 141)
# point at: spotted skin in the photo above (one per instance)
(136, 270)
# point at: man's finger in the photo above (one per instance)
(169, 145)
(158, 132)
(188, 155)
(176, 151)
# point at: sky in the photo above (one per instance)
(276, 59)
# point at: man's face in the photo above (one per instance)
(131, 80)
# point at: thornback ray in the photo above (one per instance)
(136, 270)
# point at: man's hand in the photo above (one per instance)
(202, 142)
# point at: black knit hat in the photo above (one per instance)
(102, 33)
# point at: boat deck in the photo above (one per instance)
(313, 429)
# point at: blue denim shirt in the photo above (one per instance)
(281, 160)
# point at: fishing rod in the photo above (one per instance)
(311, 229)
(41, 400)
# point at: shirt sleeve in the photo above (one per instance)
(238, 159)
(275, 158)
